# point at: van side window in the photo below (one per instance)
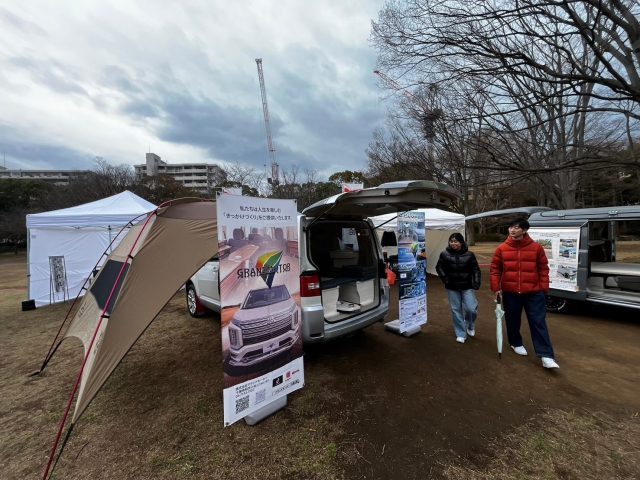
(599, 243)
(627, 242)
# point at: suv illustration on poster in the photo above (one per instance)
(567, 272)
(266, 324)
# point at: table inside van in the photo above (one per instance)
(616, 268)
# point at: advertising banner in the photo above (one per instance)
(232, 190)
(561, 246)
(260, 299)
(350, 187)
(412, 270)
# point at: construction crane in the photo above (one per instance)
(395, 85)
(426, 115)
(265, 110)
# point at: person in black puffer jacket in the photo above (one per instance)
(459, 270)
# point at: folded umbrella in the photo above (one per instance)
(499, 317)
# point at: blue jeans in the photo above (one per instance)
(535, 306)
(464, 310)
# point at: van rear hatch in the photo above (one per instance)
(386, 198)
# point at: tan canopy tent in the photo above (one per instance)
(142, 274)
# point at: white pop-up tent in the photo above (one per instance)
(65, 245)
(439, 224)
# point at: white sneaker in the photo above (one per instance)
(549, 363)
(471, 332)
(520, 350)
(460, 339)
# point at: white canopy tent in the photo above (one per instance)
(439, 224)
(65, 245)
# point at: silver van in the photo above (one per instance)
(605, 266)
(343, 286)
(608, 255)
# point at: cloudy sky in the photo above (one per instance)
(80, 79)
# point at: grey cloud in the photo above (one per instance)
(231, 134)
(22, 153)
(49, 73)
(116, 77)
(345, 130)
(227, 133)
(12, 20)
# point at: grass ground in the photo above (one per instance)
(374, 406)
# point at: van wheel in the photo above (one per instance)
(557, 304)
(194, 306)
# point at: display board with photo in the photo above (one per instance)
(561, 245)
(412, 270)
(260, 300)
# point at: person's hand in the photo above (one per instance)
(499, 296)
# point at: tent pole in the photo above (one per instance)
(28, 264)
(64, 443)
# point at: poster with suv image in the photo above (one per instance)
(412, 271)
(260, 300)
(561, 245)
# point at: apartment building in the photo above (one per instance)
(58, 177)
(202, 177)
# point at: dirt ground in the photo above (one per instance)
(375, 406)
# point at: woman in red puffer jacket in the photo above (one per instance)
(520, 279)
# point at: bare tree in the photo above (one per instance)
(248, 178)
(526, 91)
(305, 189)
(103, 181)
(448, 40)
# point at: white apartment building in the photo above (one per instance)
(58, 177)
(202, 177)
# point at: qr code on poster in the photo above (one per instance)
(261, 395)
(242, 404)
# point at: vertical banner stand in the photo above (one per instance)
(58, 279)
(411, 277)
(394, 326)
(265, 411)
(260, 302)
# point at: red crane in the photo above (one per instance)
(265, 110)
(395, 85)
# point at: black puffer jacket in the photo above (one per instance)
(459, 270)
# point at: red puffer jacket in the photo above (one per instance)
(520, 266)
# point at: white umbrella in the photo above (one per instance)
(499, 317)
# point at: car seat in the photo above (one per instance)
(238, 240)
(279, 242)
(255, 238)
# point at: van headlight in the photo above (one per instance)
(235, 336)
(295, 318)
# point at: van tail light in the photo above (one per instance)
(310, 284)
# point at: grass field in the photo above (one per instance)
(375, 406)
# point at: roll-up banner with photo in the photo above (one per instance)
(561, 246)
(260, 299)
(412, 268)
